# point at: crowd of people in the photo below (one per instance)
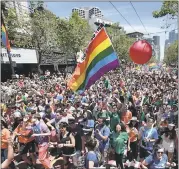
(127, 119)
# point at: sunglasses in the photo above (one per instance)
(160, 152)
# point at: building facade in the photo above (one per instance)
(88, 12)
(173, 36)
(136, 35)
(93, 15)
(94, 22)
(156, 45)
(154, 42)
(82, 12)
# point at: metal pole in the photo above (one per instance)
(10, 61)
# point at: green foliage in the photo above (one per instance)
(152, 60)
(44, 31)
(74, 34)
(168, 7)
(171, 54)
(36, 5)
(120, 41)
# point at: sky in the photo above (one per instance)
(144, 10)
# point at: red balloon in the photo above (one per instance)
(140, 52)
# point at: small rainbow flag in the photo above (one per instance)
(100, 59)
(5, 39)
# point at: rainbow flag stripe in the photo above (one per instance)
(100, 58)
(5, 39)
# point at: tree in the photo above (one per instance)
(171, 54)
(121, 42)
(44, 31)
(168, 8)
(153, 60)
(18, 28)
(74, 34)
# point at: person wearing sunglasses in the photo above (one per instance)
(157, 160)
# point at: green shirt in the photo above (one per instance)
(142, 117)
(106, 83)
(24, 98)
(146, 100)
(103, 114)
(119, 141)
(114, 120)
(42, 77)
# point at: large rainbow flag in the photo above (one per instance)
(5, 39)
(100, 59)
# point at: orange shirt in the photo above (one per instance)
(24, 132)
(5, 134)
(126, 117)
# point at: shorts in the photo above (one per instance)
(28, 147)
(169, 146)
(3, 155)
(144, 153)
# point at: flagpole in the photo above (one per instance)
(120, 66)
(10, 61)
(8, 52)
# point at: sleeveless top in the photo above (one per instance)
(66, 140)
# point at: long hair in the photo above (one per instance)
(155, 149)
(123, 128)
(3, 123)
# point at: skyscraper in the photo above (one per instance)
(82, 12)
(93, 15)
(95, 11)
(173, 36)
(156, 40)
(88, 12)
